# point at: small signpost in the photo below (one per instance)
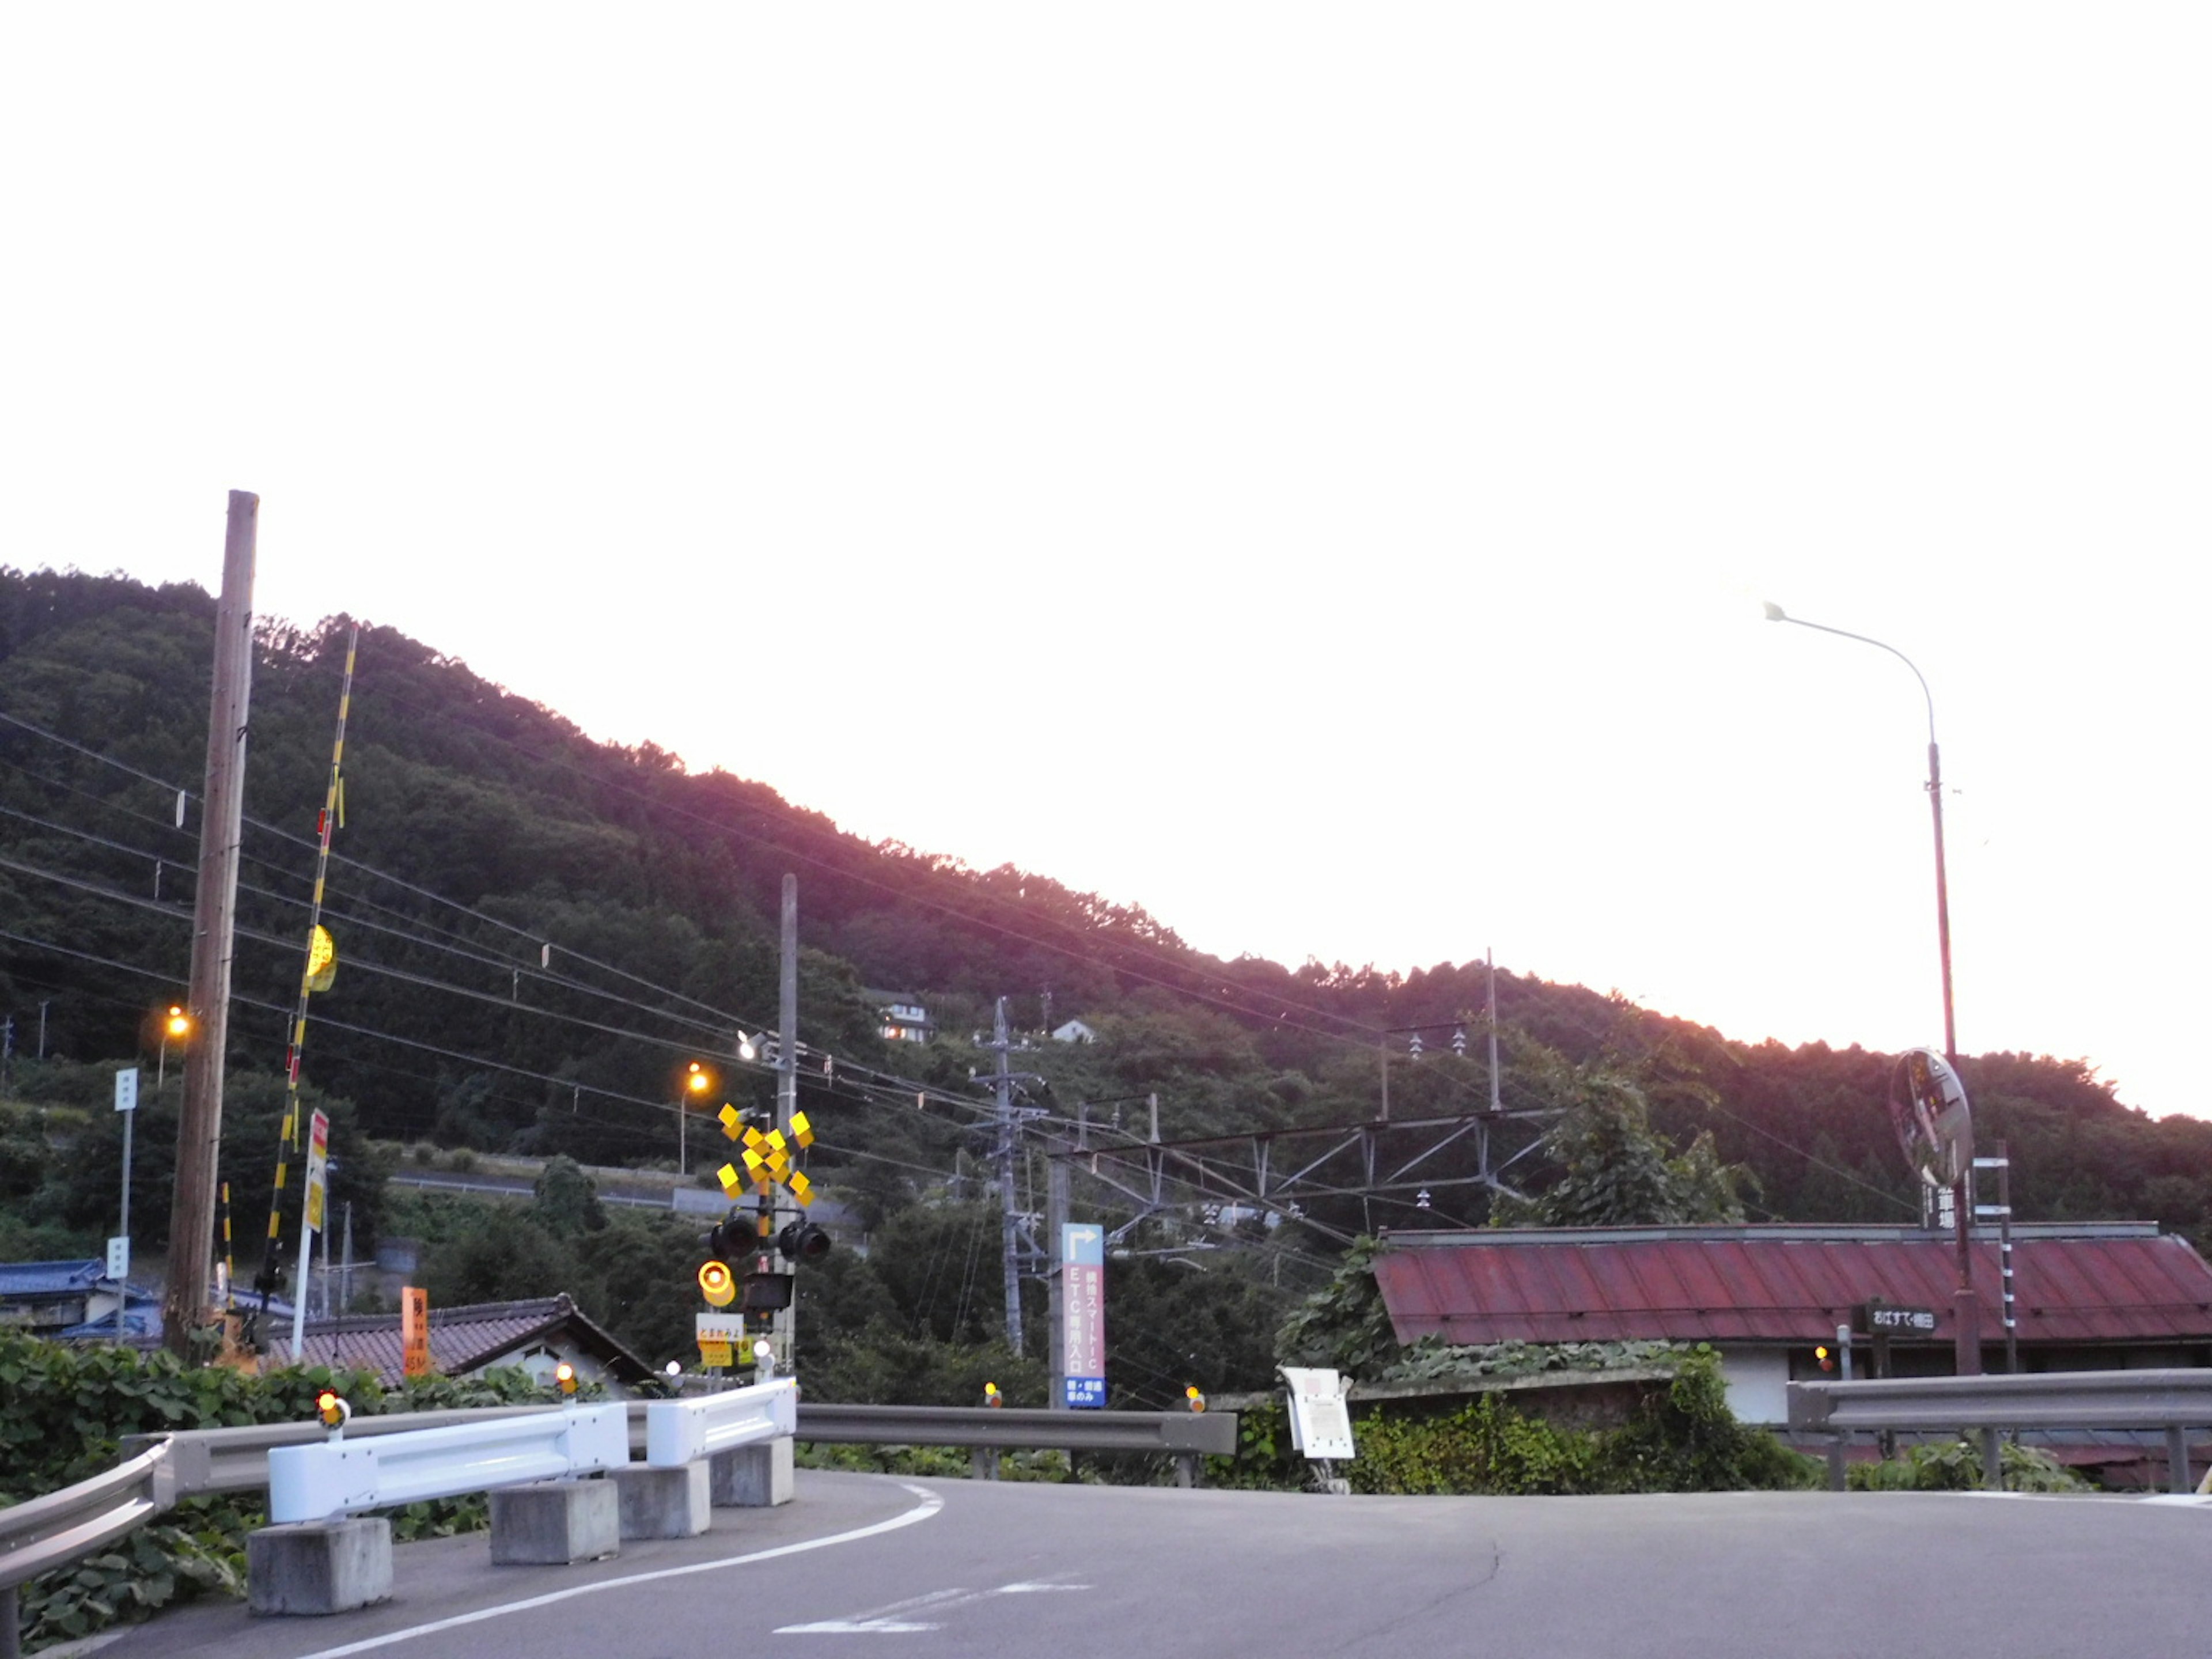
(720, 1336)
(119, 1248)
(1083, 1300)
(319, 1160)
(1320, 1422)
(414, 1331)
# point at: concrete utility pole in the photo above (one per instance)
(199, 1130)
(1009, 1215)
(786, 1323)
(1055, 1226)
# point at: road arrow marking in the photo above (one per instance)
(891, 1621)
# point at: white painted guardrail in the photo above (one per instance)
(341, 1476)
(680, 1431)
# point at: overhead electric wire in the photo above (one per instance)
(539, 974)
(282, 834)
(685, 812)
(1070, 951)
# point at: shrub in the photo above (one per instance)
(1956, 1466)
(68, 1409)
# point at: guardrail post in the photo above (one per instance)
(10, 1641)
(1992, 1460)
(1837, 1479)
(2177, 1460)
(662, 1502)
(554, 1523)
(317, 1567)
(756, 1477)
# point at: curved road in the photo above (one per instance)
(929, 1570)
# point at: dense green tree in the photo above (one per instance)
(1612, 1168)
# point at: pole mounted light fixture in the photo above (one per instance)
(1968, 1311)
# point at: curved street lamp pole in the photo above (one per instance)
(1966, 1309)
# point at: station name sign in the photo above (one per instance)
(1884, 1318)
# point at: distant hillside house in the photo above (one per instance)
(903, 1021)
(75, 1302)
(1074, 1032)
(2091, 1296)
(48, 1298)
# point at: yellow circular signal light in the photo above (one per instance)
(565, 1374)
(180, 1023)
(717, 1284)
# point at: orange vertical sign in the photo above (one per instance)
(414, 1331)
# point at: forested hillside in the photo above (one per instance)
(537, 931)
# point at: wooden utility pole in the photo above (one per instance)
(199, 1131)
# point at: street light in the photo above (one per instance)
(698, 1083)
(1967, 1310)
(176, 1025)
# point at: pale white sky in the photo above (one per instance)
(1308, 470)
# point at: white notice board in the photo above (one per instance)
(1321, 1426)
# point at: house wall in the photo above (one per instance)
(1757, 1383)
(541, 1358)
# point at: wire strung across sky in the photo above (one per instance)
(856, 1079)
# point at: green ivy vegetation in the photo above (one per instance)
(68, 1409)
(1682, 1438)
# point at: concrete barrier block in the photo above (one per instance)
(755, 1477)
(316, 1567)
(554, 1523)
(662, 1502)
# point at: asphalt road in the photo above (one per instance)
(928, 1570)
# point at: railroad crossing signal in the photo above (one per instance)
(717, 1284)
(766, 1161)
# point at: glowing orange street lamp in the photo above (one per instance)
(176, 1025)
(698, 1083)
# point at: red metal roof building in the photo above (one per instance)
(2090, 1295)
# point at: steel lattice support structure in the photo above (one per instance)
(1285, 1171)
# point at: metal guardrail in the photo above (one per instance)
(45, 1533)
(342, 1476)
(52, 1531)
(680, 1431)
(237, 1459)
(1184, 1433)
(2173, 1400)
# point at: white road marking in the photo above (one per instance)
(930, 1504)
(889, 1620)
(879, 1620)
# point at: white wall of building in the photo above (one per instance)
(1757, 1384)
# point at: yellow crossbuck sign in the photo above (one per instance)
(766, 1159)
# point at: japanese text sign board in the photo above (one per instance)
(1083, 1315)
(414, 1331)
(1321, 1423)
